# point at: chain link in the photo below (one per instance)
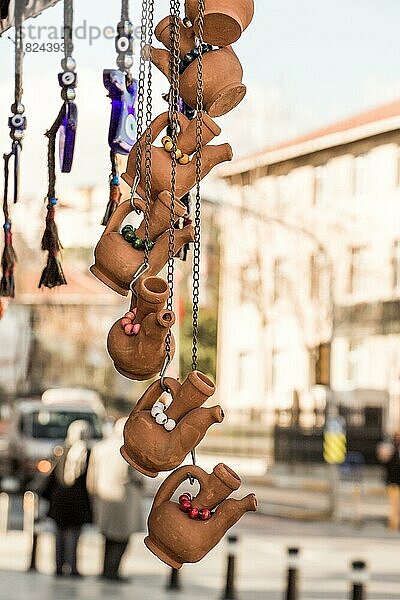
(197, 206)
(174, 130)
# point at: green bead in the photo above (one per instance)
(150, 245)
(129, 236)
(137, 244)
(126, 229)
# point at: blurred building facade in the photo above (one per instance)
(310, 255)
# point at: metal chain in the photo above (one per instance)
(174, 130)
(197, 207)
(141, 93)
(149, 133)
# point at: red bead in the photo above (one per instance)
(129, 329)
(184, 498)
(125, 321)
(204, 514)
(194, 513)
(186, 506)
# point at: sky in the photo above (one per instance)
(306, 63)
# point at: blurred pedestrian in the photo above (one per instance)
(66, 492)
(389, 455)
(117, 499)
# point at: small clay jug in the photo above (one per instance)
(142, 355)
(161, 159)
(116, 261)
(222, 71)
(175, 537)
(224, 20)
(151, 446)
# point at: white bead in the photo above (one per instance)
(161, 419)
(158, 408)
(170, 425)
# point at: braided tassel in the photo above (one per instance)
(8, 260)
(114, 200)
(53, 275)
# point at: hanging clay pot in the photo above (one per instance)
(177, 538)
(140, 354)
(116, 261)
(159, 440)
(222, 71)
(224, 20)
(161, 159)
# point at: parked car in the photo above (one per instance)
(39, 426)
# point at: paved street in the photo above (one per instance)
(326, 553)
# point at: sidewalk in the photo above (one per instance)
(261, 568)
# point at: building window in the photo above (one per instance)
(320, 185)
(360, 186)
(278, 279)
(396, 265)
(358, 270)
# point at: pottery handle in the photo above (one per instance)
(171, 484)
(149, 398)
(120, 213)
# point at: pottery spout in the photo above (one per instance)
(192, 428)
(214, 155)
(231, 511)
(160, 258)
(187, 137)
(195, 390)
(152, 294)
(161, 59)
(224, 20)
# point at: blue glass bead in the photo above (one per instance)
(115, 181)
(53, 201)
(7, 226)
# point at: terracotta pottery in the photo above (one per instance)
(176, 538)
(141, 356)
(116, 261)
(224, 20)
(149, 447)
(222, 72)
(161, 160)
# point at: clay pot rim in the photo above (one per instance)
(150, 289)
(227, 476)
(161, 27)
(202, 383)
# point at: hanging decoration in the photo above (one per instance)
(17, 125)
(122, 89)
(169, 420)
(65, 127)
(185, 532)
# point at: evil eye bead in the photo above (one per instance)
(68, 78)
(161, 419)
(17, 121)
(157, 409)
(170, 425)
(123, 44)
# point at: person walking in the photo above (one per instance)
(66, 492)
(389, 455)
(117, 492)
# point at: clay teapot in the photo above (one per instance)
(177, 532)
(222, 71)
(117, 261)
(136, 343)
(161, 159)
(224, 20)
(159, 438)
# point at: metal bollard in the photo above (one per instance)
(359, 577)
(230, 587)
(292, 592)
(4, 512)
(174, 583)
